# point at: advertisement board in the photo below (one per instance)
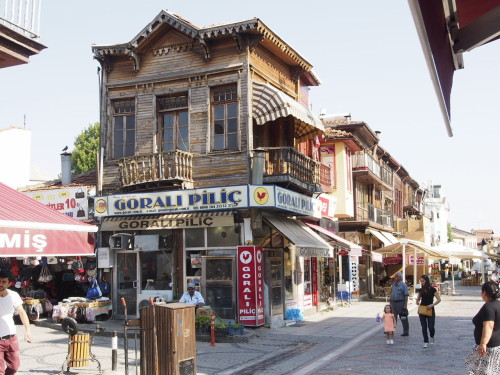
(69, 201)
(251, 286)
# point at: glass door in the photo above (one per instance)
(219, 275)
(127, 283)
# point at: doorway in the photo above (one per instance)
(127, 283)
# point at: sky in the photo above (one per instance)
(366, 54)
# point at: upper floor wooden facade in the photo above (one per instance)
(188, 107)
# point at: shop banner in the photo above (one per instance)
(315, 293)
(354, 263)
(69, 201)
(411, 260)
(21, 242)
(251, 285)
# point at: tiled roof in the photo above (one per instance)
(88, 179)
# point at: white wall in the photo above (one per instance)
(15, 154)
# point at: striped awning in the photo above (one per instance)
(174, 221)
(270, 104)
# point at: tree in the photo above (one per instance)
(83, 157)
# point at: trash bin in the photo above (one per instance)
(79, 350)
(173, 343)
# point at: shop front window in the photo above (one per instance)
(156, 268)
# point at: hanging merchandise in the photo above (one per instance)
(45, 275)
(5, 263)
(104, 285)
(94, 291)
(77, 266)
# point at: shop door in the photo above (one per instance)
(219, 287)
(127, 283)
(274, 279)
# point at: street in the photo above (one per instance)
(345, 341)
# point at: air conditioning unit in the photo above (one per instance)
(149, 242)
(121, 241)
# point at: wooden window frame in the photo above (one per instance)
(174, 105)
(215, 101)
(124, 109)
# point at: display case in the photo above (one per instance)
(219, 288)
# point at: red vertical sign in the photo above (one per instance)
(314, 270)
(251, 285)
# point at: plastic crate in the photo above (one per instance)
(343, 295)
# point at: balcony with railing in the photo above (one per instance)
(285, 166)
(374, 214)
(19, 31)
(364, 164)
(172, 166)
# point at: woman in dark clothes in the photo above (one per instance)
(426, 298)
(485, 357)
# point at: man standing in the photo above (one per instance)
(9, 345)
(399, 301)
(192, 296)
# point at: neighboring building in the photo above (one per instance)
(19, 31)
(208, 130)
(15, 150)
(464, 238)
(438, 210)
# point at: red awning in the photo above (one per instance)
(30, 228)
(447, 29)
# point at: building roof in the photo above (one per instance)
(88, 179)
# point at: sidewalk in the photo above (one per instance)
(322, 341)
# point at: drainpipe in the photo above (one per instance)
(257, 170)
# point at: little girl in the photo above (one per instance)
(389, 324)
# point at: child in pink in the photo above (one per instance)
(389, 324)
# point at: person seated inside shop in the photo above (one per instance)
(192, 296)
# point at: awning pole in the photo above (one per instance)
(415, 272)
(404, 262)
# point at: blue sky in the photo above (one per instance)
(366, 54)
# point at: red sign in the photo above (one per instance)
(411, 259)
(33, 242)
(251, 285)
(314, 263)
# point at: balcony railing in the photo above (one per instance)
(22, 16)
(377, 215)
(171, 165)
(362, 161)
(279, 161)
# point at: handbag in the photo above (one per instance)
(80, 212)
(94, 291)
(45, 275)
(79, 193)
(423, 310)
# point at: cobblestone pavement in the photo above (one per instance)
(344, 341)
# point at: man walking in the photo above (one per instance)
(9, 345)
(399, 301)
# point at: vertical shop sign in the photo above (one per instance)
(250, 285)
(314, 266)
(354, 273)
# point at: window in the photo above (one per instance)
(174, 123)
(225, 118)
(123, 128)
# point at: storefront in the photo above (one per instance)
(44, 248)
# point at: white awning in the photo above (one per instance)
(355, 249)
(174, 221)
(380, 237)
(390, 237)
(307, 243)
(270, 104)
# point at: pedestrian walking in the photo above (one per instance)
(399, 301)
(389, 324)
(9, 345)
(426, 312)
(485, 356)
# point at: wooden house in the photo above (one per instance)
(203, 110)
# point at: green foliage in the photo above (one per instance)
(202, 320)
(450, 235)
(83, 158)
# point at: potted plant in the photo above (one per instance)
(220, 327)
(202, 323)
(234, 329)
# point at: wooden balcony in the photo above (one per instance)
(174, 167)
(286, 166)
(368, 170)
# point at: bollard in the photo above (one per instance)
(114, 351)
(212, 330)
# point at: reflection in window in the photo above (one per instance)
(156, 267)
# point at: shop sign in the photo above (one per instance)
(156, 222)
(411, 260)
(354, 273)
(295, 202)
(376, 257)
(314, 252)
(69, 201)
(251, 285)
(219, 198)
(314, 270)
(328, 205)
(43, 242)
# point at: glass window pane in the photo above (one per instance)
(219, 127)
(183, 118)
(118, 138)
(223, 236)
(118, 151)
(232, 125)
(118, 122)
(156, 270)
(195, 237)
(232, 110)
(130, 122)
(219, 112)
(129, 149)
(232, 141)
(219, 142)
(219, 269)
